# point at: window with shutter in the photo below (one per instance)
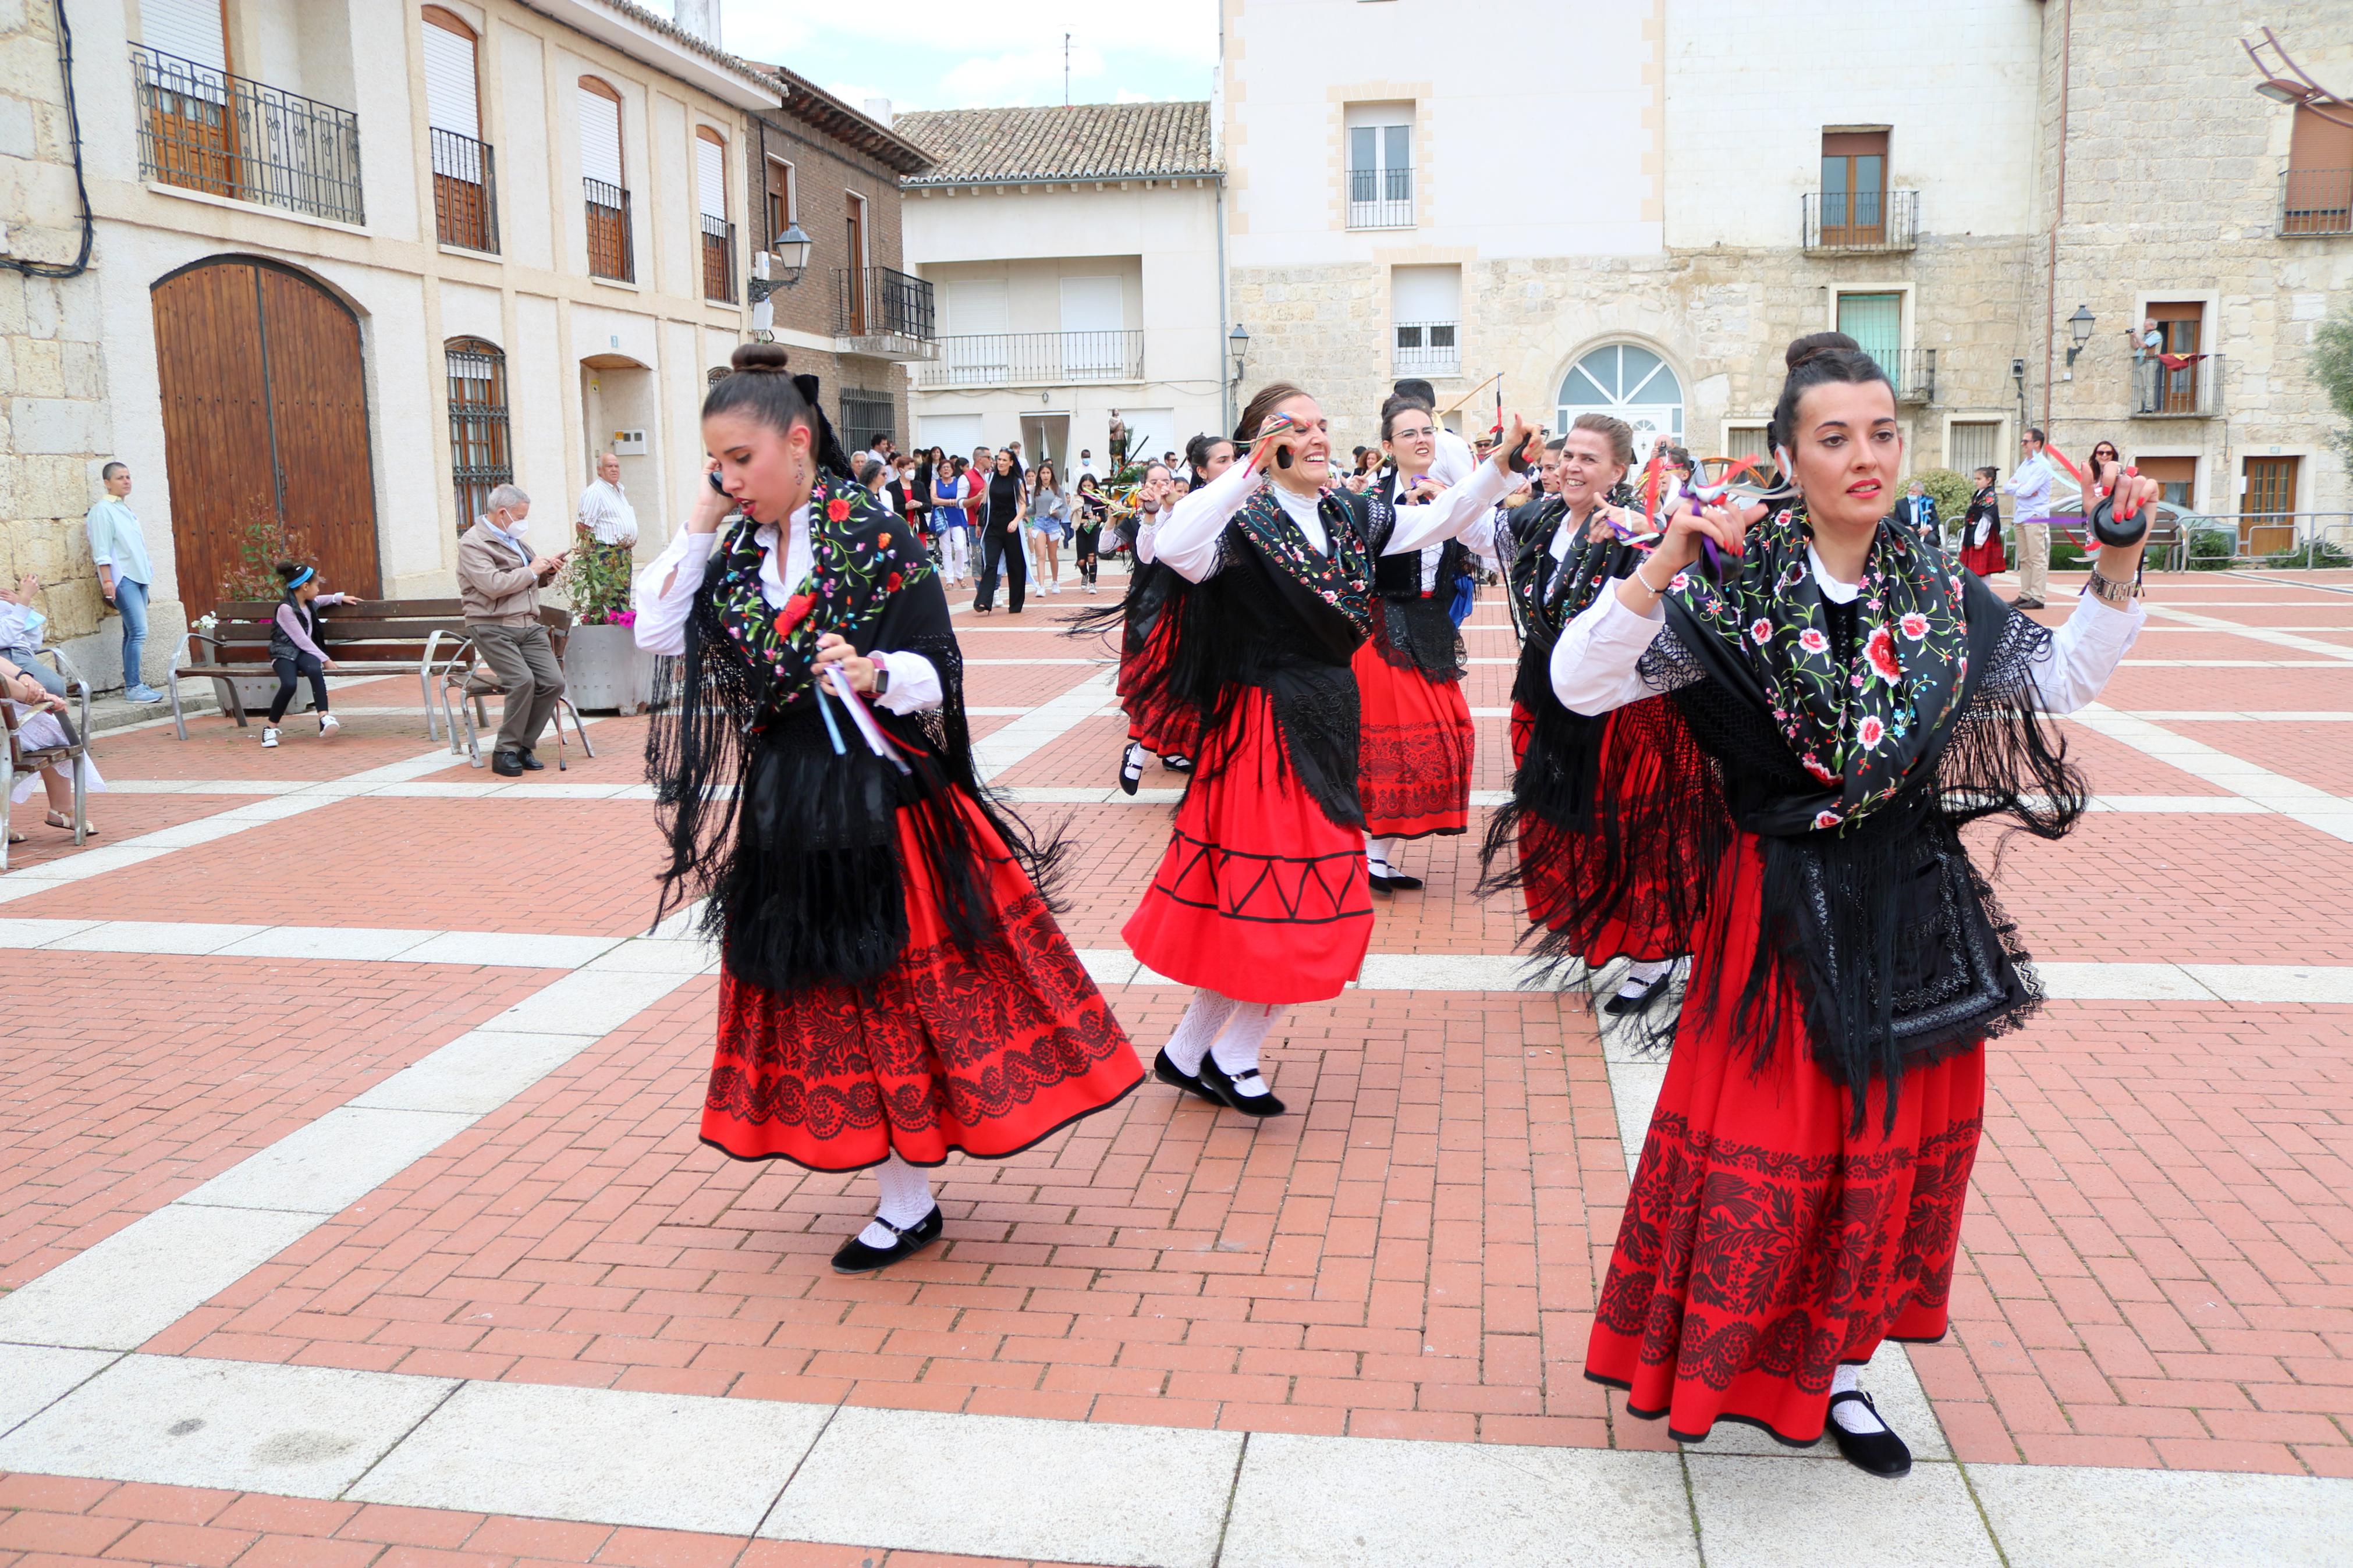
(191, 30)
(452, 101)
(709, 174)
(2318, 197)
(600, 132)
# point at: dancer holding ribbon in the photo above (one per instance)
(1859, 699)
(894, 986)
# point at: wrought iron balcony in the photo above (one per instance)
(205, 130)
(1859, 223)
(2317, 202)
(612, 249)
(465, 192)
(1380, 198)
(1036, 359)
(2190, 388)
(1430, 348)
(718, 259)
(884, 312)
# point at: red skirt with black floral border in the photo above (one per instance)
(986, 1052)
(1765, 1241)
(1414, 750)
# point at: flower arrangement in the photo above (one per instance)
(598, 579)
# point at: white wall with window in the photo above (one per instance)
(1426, 319)
(1379, 170)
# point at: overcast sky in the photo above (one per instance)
(967, 53)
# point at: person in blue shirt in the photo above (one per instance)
(1920, 511)
(119, 548)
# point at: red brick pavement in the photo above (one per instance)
(2319, 754)
(115, 815)
(216, 749)
(56, 1522)
(127, 1081)
(2303, 687)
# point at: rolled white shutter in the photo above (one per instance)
(600, 137)
(188, 28)
(451, 102)
(710, 177)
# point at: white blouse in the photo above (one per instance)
(664, 597)
(1187, 540)
(1596, 666)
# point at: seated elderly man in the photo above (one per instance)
(498, 580)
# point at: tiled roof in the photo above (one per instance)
(653, 22)
(1062, 141)
(807, 102)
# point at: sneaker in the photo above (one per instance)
(143, 695)
(269, 737)
(328, 725)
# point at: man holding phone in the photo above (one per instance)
(498, 580)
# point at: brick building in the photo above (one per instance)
(854, 317)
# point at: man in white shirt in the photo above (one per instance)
(2031, 485)
(1087, 469)
(608, 520)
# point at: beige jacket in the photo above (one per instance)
(496, 584)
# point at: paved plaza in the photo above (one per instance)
(351, 1211)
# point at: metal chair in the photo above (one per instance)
(16, 758)
(459, 677)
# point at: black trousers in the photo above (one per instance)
(1087, 543)
(999, 547)
(289, 669)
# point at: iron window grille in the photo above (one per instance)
(205, 130)
(718, 259)
(1427, 347)
(465, 192)
(882, 301)
(611, 247)
(480, 456)
(865, 416)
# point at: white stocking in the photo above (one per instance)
(1237, 1047)
(1198, 1027)
(1639, 976)
(1852, 1413)
(906, 1199)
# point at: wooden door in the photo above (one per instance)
(857, 255)
(1854, 188)
(2177, 477)
(2318, 198)
(2179, 326)
(2267, 506)
(265, 429)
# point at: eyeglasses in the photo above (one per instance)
(1424, 433)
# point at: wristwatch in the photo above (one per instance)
(881, 678)
(2116, 596)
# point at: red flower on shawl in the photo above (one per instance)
(1879, 649)
(837, 510)
(794, 612)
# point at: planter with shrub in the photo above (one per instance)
(604, 670)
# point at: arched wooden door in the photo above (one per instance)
(264, 427)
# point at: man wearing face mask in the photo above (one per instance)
(498, 580)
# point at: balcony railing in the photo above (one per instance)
(207, 130)
(1860, 222)
(612, 249)
(1429, 347)
(1919, 382)
(2316, 201)
(2192, 391)
(875, 302)
(1023, 359)
(1380, 198)
(465, 192)
(718, 259)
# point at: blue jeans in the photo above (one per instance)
(131, 599)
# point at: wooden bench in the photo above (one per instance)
(16, 758)
(408, 633)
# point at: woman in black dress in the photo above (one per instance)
(1000, 539)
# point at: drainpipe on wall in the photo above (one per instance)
(1225, 313)
(2058, 212)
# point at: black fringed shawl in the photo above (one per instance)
(1411, 630)
(1855, 742)
(796, 843)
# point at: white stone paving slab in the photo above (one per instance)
(474, 1074)
(1110, 965)
(349, 943)
(329, 1164)
(2316, 983)
(31, 933)
(1003, 748)
(2278, 636)
(1353, 1502)
(602, 1456)
(592, 1001)
(126, 1289)
(994, 1486)
(1763, 1512)
(2121, 982)
(510, 950)
(294, 1431)
(1443, 972)
(154, 936)
(33, 1377)
(2080, 1517)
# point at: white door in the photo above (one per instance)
(1094, 340)
(1151, 432)
(956, 435)
(978, 309)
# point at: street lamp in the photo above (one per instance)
(1238, 345)
(2280, 90)
(781, 263)
(2080, 324)
(792, 249)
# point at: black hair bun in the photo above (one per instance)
(761, 359)
(288, 571)
(1813, 345)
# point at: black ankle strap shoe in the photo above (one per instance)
(857, 1257)
(1880, 1453)
(1221, 1087)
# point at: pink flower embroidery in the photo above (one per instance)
(1871, 731)
(1819, 771)
(1812, 641)
(1879, 649)
(1760, 630)
(1916, 626)
(1826, 819)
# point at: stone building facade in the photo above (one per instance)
(1681, 211)
(54, 427)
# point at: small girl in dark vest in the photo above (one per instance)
(294, 648)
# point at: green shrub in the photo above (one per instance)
(598, 578)
(1951, 492)
(2324, 554)
(2210, 549)
(2064, 555)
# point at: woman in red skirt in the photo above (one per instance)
(1415, 743)
(1859, 699)
(1260, 899)
(1148, 616)
(1981, 530)
(894, 986)
(1582, 787)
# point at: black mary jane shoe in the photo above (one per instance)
(1379, 883)
(1130, 775)
(1880, 1453)
(531, 762)
(1402, 883)
(1221, 1088)
(857, 1257)
(1169, 1073)
(1619, 1005)
(1177, 762)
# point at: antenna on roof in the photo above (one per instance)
(1066, 70)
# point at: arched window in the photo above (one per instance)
(607, 194)
(480, 456)
(465, 188)
(710, 199)
(1630, 383)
